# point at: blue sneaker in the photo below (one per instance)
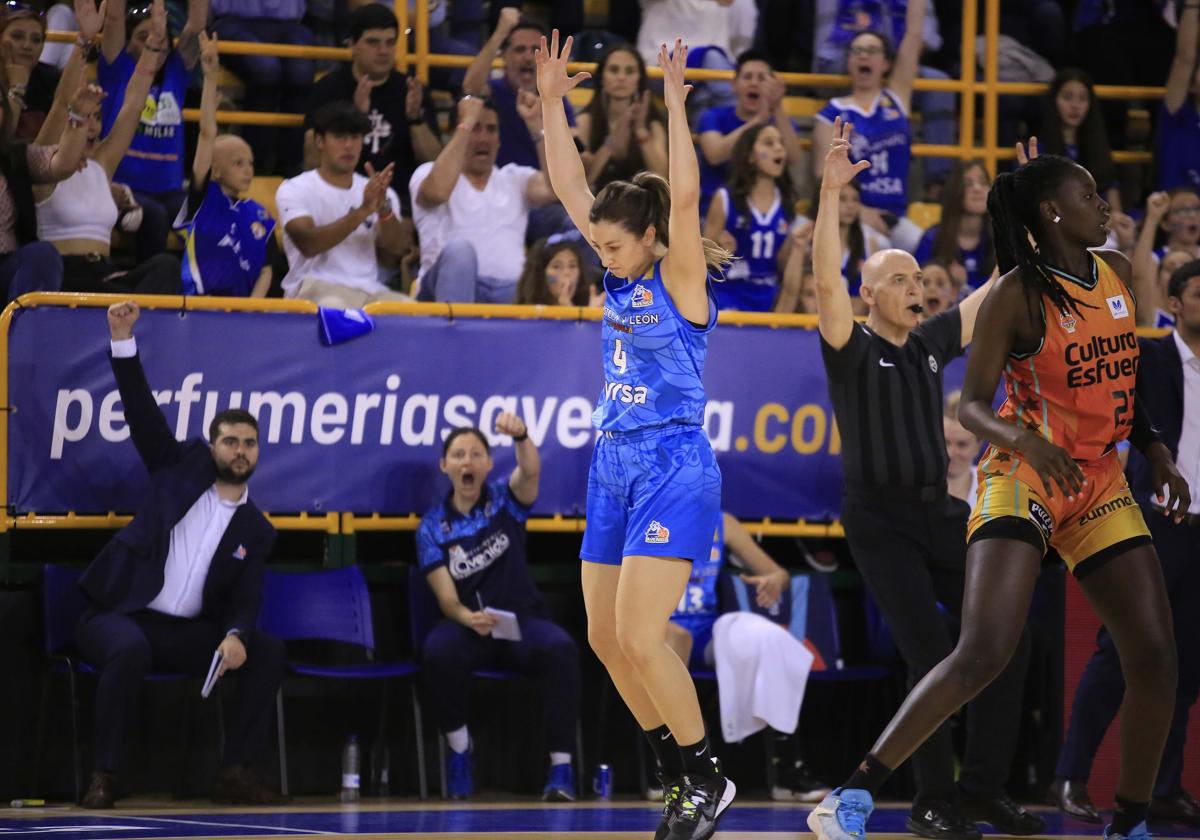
(560, 784)
(1139, 832)
(459, 783)
(842, 815)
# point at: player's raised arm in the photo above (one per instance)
(835, 315)
(567, 175)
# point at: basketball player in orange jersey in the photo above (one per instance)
(1059, 327)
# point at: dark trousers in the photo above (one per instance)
(160, 275)
(158, 216)
(912, 555)
(451, 652)
(127, 647)
(1102, 687)
(36, 267)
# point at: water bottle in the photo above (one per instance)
(350, 767)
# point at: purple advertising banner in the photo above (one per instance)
(359, 427)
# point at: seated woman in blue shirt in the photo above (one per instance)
(962, 239)
(471, 547)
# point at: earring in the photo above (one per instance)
(1057, 219)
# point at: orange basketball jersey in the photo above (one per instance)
(1077, 389)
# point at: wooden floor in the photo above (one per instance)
(509, 819)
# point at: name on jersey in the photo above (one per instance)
(463, 563)
(1096, 361)
(631, 394)
(626, 323)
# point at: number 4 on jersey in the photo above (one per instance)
(619, 357)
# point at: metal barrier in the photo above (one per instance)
(967, 87)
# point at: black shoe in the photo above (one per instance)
(1071, 797)
(702, 803)
(1181, 808)
(793, 784)
(1005, 815)
(671, 789)
(940, 821)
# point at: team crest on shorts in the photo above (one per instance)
(933, 363)
(657, 533)
(642, 297)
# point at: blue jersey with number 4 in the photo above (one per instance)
(653, 357)
(751, 282)
(883, 136)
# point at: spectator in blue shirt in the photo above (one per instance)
(962, 239)
(471, 547)
(1179, 119)
(153, 167)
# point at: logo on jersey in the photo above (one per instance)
(258, 230)
(1068, 322)
(657, 533)
(629, 394)
(1116, 305)
(642, 297)
(1101, 359)
(933, 363)
(462, 564)
(1042, 519)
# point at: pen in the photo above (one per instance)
(479, 598)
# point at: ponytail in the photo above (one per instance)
(646, 201)
(1012, 206)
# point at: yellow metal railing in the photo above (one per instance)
(967, 87)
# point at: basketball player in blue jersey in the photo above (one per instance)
(654, 488)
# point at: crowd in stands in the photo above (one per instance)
(392, 186)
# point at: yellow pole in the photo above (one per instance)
(966, 116)
(991, 76)
(401, 9)
(423, 41)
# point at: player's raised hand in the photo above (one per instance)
(1024, 157)
(673, 65)
(553, 81)
(121, 318)
(839, 171)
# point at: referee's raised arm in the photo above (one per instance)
(835, 316)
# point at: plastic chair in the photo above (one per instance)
(333, 606)
(424, 613)
(63, 603)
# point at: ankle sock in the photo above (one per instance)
(869, 776)
(666, 751)
(697, 759)
(1126, 815)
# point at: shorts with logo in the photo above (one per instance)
(1101, 523)
(652, 492)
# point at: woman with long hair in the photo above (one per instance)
(654, 488)
(1073, 125)
(621, 126)
(752, 217)
(556, 273)
(1060, 332)
(962, 238)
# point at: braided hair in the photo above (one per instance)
(1012, 204)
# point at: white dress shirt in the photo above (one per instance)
(1188, 460)
(194, 539)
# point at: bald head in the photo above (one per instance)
(232, 163)
(890, 262)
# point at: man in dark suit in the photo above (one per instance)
(1168, 384)
(180, 581)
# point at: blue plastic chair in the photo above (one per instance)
(333, 606)
(63, 603)
(424, 613)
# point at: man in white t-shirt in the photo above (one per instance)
(336, 221)
(470, 214)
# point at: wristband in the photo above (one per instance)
(75, 119)
(81, 41)
(387, 213)
(523, 436)
(417, 120)
(465, 127)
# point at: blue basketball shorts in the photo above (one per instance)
(701, 628)
(653, 492)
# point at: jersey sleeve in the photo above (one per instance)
(502, 490)
(429, 552)
(829, 113)
(841, 364)
(710, 120)
(943, 333)
(289, 198)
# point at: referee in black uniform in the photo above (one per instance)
(907, 534)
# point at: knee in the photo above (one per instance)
(462, 254)
(603, 641)
(639, 646)
(1153, 669)
(43, 261)
(979, 661)
(131, 659)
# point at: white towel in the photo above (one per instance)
(762, 671)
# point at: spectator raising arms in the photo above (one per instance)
(962, 239)
(78, 215)
(622, 127)
(881, 79)
(1073, 125)
(403, 124)
(1179, 119)
(1152, 268)
(336, 222)
(556, 273)
(752, 217)
(230, 243)
(153, 166)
